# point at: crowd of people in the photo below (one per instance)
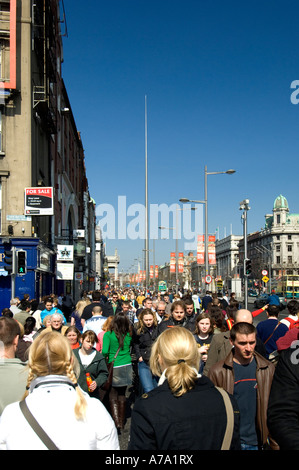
(193, 364)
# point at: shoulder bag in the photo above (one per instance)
(107, 385)
(230, 420)
(36, 426)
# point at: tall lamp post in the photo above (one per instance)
(244, 206)
(205, 202)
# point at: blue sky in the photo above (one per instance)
(217, 77)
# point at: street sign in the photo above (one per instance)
(264, 272)
(208, 279)
(265, 279)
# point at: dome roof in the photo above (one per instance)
(281, 203)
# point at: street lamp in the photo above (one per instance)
(244, 206)
(205, 202)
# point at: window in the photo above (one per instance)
(290, 260)
(278, 248)
(277, 259)
(289, 247)
(278, 219)
(289, 237)
(277, 237)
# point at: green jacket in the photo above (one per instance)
(97, 369)
(111, 345)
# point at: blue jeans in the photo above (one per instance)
(147, 379)
(248, 447)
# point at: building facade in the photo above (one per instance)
(40, 148)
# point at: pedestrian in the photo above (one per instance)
(91, 362)
(206, 300)
(117, 342)
(73, 335)
(105, 327)
(56, 324)
(247, 376)
(13, 372)
(270, 330)
(203, 335)
(146, 333)
(72, 420)
(177, 317)
(292, 318)
(96, 322)
(191, 313)
(185, 411)
(50, 309)
(221, 346)
(77, 313)
(283, 406)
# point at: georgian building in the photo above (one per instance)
(40, 148)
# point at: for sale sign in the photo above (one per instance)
(39, 201)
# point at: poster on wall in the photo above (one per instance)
(39, 201)
(65, 271)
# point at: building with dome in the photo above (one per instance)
(276, 247)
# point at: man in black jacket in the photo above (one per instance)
(283, 406)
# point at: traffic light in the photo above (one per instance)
(248, 268)
(9, 261)
(21, 262)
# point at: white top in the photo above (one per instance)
(52, 405)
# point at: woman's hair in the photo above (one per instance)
(141, 327)
(177, 350)
(51, 354)
(217, 317)
(203, 316)
(121, 326)
(90, 335)
(107, 324)
(81, 304)
(29, 326)
(74, 329)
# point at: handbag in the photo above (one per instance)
(36, 426)
(107, 385)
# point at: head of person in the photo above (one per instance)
(178, 310)
(88, 340)
(73, 335)
(146, 319)
(126, 306)
(147, 302)
(96, 311)
(204, 324)
(189, 306)
(175, 353)
(166, 297)
(114, 297)
(121, 326)
(10, 333)
(293, 307)
(243, 315)
(243, 339)
(49, 303)
(56, 321)
(6, 312)
(231, 311)
(29, 325)
(15, 301)
(51, 354)
(96, 296)
(161, 308)
(107, 324)
(273, 311)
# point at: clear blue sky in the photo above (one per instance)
(217, 77)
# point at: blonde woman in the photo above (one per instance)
(185, 411)
(69, 416)
(76, 315)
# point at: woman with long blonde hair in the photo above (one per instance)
(186, 411)
(69, 416)
(76, 315)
